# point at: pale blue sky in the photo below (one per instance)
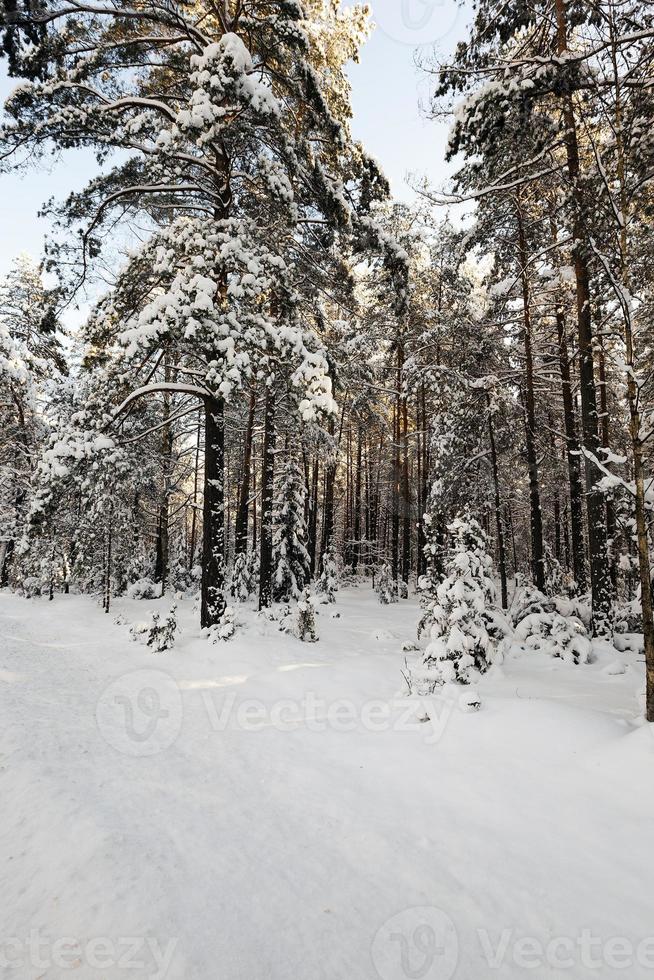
(387, 89)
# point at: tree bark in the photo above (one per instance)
(499, 527)
(537, 553)
(242, 512)
(599, 571)
(267, 493)
(213, 515)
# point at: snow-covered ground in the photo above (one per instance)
(265, 808)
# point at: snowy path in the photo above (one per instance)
(260, 810)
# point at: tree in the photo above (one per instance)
(235, 121)
(290, 555)
(460, 643)
(31, 362)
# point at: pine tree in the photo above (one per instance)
(290, 556)
(460, 645)
(31, 363)
(327, 585)
(386, 585)
(236, 125)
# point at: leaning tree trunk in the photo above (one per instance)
(213, 515)
(267, 491)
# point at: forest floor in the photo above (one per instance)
(265, 809)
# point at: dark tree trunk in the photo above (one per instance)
(499, 527)
(7, 555)
(328, 503)
(243, 509)
(573, 453)
(595, 510)
(406, 495)
(537, 555)
(267, 494)
(604, 428)
(194, 509)
(213, 516)
(356, 549)
(312, 532)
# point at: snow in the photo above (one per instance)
(291, 816)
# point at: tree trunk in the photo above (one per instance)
(194, 509)
(573, 452)
(537, 555)
(267, 494)
(242, 512)
(499, 527)
(312, 533)
(213, 515)
(599, 571)
(604, 430)
(356, 550)
(406, 495)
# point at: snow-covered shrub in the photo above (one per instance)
(403, 589)
(385, 587)
(327, 585)
(461, 645)
(143, 588)
(139, 631)
(628, 617)
(556, 580)
(161, 636)
(242, 584)
(578, 606)
(527, 599)
(31, 586)
(225, 628)
(559, 636)
(306, 619)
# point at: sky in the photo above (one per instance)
(387, 89)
